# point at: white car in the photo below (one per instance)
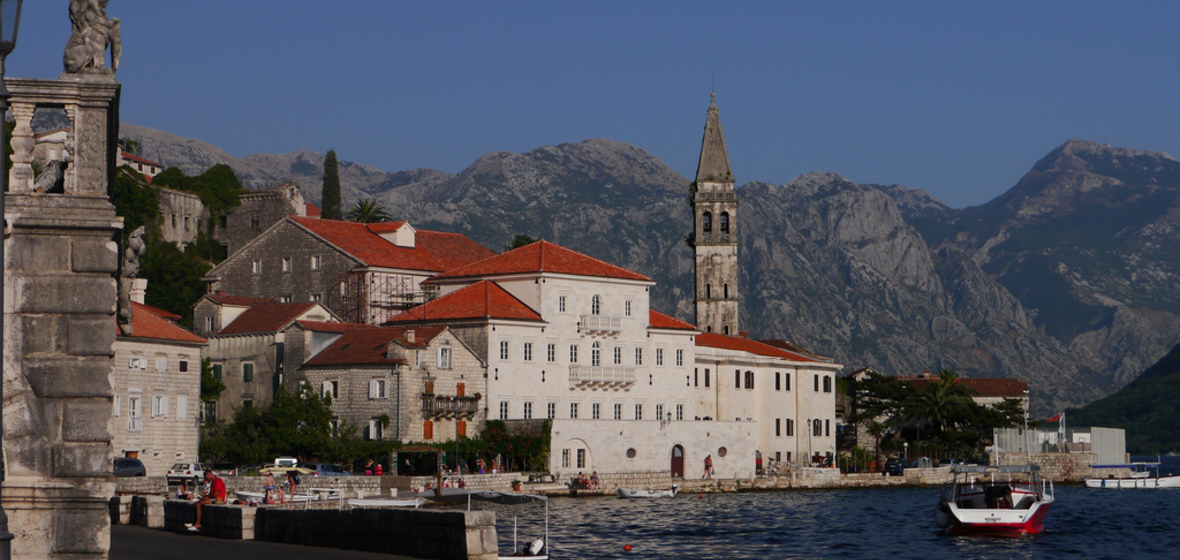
(192, 472)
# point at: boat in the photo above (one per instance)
(1143, 475)
(386, 502)
(260, 497)
(994, 500)
(647, 493)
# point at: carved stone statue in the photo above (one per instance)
(136, 248)
(52, 179)
(93, 32)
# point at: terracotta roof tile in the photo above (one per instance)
(268, 317)
(433, 251)
(790, 346)
(146, 324)
(243, 301)
(313, 211)
(714, 340)
(326, 326)
(481, 300)
(162, 313)
(658, 320)
(132, 157)
(370, 345)
(543, 256)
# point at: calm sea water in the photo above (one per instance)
(871, 523)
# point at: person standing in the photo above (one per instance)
(708, 467)
(216, 495)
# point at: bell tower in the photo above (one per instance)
(714, 239)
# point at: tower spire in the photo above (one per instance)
(714, 162)
(714, 238)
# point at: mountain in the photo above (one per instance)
(1148, 409)
(1068, 280)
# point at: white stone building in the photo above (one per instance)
(157, 391)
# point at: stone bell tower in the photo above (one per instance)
(715, 240)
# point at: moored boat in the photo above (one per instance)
(647, 493)
(1143, 475)
(995, 500)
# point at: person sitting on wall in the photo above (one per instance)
(182, 491)
(216, 495)
(594, 480)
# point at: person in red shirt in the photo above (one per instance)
(216, 495)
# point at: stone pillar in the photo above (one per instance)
(61, 256)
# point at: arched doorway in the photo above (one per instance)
(677, 461)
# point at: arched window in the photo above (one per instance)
(708, 291)
(725, 222)
(707, 222)
(726, 330)
(595, 305)
(709, 328)
(596, 353)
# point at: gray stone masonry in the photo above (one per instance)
(219, 521)
(257, 212)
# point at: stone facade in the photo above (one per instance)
(182, 215)
(642, 447)
(60, 260)
(715, 235)
(257, 212)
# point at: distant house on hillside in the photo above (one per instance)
(145, 167)
(258, 211)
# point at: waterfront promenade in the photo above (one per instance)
(129, 542)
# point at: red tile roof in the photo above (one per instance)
(543, 256)
(313, 211)
(433, 251)
(268, 317)
(164, 314)
(481, 300)
(242, 301)
(658, 320)
(146, 324)
(325, 326)
(132, 157)
(370, 346)
(790, 346)
(714, 340)
(1007, 387)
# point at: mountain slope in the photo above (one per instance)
(1148, 408)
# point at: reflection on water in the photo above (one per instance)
(871, 523)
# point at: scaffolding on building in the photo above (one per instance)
(364, 296)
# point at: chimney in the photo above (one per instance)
(138, 290)
(925, 374)
(744, 334)
(410, 336)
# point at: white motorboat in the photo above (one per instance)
(995, 500)
(1143, 475)
(386, 502)
(260, 497)
(647, 493)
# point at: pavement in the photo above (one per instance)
(131, 542)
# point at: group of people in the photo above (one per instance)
(214, 493)
(582, 482)
(276, 494)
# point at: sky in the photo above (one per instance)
(956, 98)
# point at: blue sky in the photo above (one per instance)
(956, 98)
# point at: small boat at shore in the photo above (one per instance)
(386, 502)
(260, 497)
(647, 493)
(994, 500)
(1143, 475)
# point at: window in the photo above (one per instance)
(551, 410)
(444, 357)
(377, 389)
(209, 323)
(581, 459)
(461, 428)
(181, 407)
(138, 363)
(247, 371)
(317, 297)
(659, 356)
(315, 262)
(503, 410)
(696, 377)
(182, 365)
(596, 411)
(217, 372)
(256, 266)
(724, 225)
(573, 353)
(595, 305)
(561, 304)
(725, 294)
(595, 354)
(618, 355)
(528, 411)
(161, 364)
(503, 349)
(574, 411)
(638, 411)
(330, 389)
(680, 356)
(639, 356)
(778, 428)
(118, 403)
(707, 222)
(787, 380)
(286, 264)
(827, 427)
(737, 379)
(749, 379)
(817, 427)
(790, 427)
(528, 351)
(708, 291)
(285, 299)
(778, 381)
(627, 308)
(706, 377)
(659, 412)
(133, 422)
(159, 406)
(173, 220)
(551, 353)
(679, 412)
(816, 378)
(827, 384)
(618, 411)
(565, 458)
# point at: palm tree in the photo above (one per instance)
(943, 403)
(367, 211)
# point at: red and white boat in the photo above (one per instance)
(994, 500)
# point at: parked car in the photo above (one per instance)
(894, 466)
(951, 461)
(327, 469)
(922, 463)
(194, 472)
(126, 466)
(224, 469)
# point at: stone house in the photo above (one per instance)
(257, 212)
(364, 273)
(401, 384)
(182, 216)
(248, 353)
(157, 398)
(143, 166)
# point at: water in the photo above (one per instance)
(865, 523)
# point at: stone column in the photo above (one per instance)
(61, 256)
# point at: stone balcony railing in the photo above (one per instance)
(601, 324)
(601, 376)
(442, 406)
(705, 196)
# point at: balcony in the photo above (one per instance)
(443, 406)
(601, 324)
(601, 377)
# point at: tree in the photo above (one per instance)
(943, 403)
(521, 240)
(330, 196)
(367, 211)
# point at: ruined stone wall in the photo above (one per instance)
(182, 215)
(257, 212)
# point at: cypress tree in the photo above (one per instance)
(330, 196)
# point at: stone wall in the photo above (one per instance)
(257, 212)
(1063, 467)
(182, 215)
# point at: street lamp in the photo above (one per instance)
(9, 22)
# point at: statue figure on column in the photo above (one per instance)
(136, 248)
(93, 32)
